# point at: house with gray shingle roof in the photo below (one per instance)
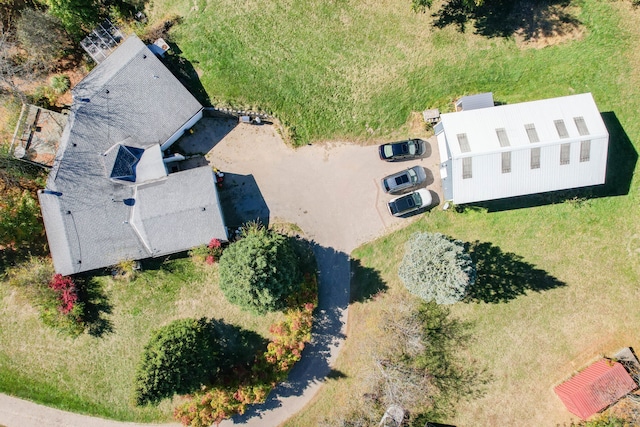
(109, 196)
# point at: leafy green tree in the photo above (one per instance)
(436, 267)
(19, 219)
(259, 271)
(76, 16)
(179, 358)
(43, 37)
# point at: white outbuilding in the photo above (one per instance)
(519, 149)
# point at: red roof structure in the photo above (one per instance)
(597, 387)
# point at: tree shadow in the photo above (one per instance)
(366, 282)
(237, 346)
(96, 306)
(504, 276)
(530, 19)
(621, 164)
(453, 12)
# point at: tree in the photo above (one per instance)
(259, 271)
(76, 16)
(11, 65)
(19, 219)
(436, 267)
(179, 358)
(43, 37)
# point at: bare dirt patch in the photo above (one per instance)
(541, 24)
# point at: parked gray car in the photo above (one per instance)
(404, 180)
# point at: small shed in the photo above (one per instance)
(595, 388)
(475, 102)
(519, 149)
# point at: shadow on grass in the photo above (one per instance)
(504, 276)
(453, 377)
(96, 306)
(621, 164)
(366, 282)
(186, 73)
(503, 18)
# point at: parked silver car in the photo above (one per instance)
(404, 180)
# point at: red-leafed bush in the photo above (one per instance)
(209, 253)
(67, 292)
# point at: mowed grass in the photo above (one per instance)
(95, 374)
(356, 69)
(591, 247)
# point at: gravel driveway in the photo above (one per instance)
(332, 192)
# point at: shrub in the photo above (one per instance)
(179, 358)
(209, 253)
(213, 404)
(60, 83)
(63, 311)
(126, 269)
(19, 219)
(436, 267)
(259, 271)
(55, 296)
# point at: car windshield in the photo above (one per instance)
(412, 147)
(388, 150)
(411, 174)
(417, 199)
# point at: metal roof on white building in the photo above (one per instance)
(480, 131)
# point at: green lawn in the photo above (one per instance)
(356, 70)
(95, 374)
(351, 69)
(587, 249)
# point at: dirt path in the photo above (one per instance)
(332, 192)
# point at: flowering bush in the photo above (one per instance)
(209, 253)
(214, 404)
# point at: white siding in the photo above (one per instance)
(490, 183)
(483, 128)
(192, 121)
(445, 166)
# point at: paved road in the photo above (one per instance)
(332, 192)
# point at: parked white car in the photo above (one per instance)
(410, 202)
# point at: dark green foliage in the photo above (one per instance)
(76, 16)
(19, 219)
(179, 358)
(436, 267)
(189, 353)
(259, 271)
